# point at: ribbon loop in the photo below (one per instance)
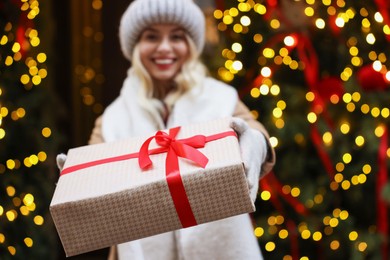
(185, 148)
(190, 153)
(143, 159)
(163, 139)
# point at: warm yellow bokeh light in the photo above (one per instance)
(265, 195)
(334, 245)
(28, 241)
(275, 90)
(338, 177)
(28, 199)
(295, 192)
(218, 14)
(283, 234)
(11, 215)
(312, 117)
(317, 236)
(38, 220)
(362, 246)
(366, 169)
(255, 92)
(259, 231)
(344, 215)
(270, 246)
(359, 140)
(345, 128)
(46, 132)
(11, 250)
(260, 9)
(275, 24)
(333, 222)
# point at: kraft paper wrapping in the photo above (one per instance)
(112, 203)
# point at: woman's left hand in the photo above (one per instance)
(253, 151)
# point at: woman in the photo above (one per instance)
(167, 86)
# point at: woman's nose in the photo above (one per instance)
(165, 44)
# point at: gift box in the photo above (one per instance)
(121, 191)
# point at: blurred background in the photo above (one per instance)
(314, 72)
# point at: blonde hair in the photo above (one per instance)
(190, 76)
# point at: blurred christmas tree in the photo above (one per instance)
(315, 72)
(27, 136)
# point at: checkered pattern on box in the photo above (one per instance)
(103, 221)
(87, 223)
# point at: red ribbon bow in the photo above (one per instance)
(185, 148)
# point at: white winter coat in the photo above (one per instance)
(230, 238)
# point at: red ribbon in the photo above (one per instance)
(175, 148)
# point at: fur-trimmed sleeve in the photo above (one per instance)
(243, 112)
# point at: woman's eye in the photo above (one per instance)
(150, 36)
(178, 36)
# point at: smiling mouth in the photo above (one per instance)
(164, 61)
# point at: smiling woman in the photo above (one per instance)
(167, 85)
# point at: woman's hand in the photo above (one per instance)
(253, 151)
(61, 158)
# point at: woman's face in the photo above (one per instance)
(163, 50)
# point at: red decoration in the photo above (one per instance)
(371, 80)
(332, 24)
(330, 86)
(23, 25)
(21, 39)
(272, 7)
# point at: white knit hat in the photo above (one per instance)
(143, 13)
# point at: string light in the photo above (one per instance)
(270, 246)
